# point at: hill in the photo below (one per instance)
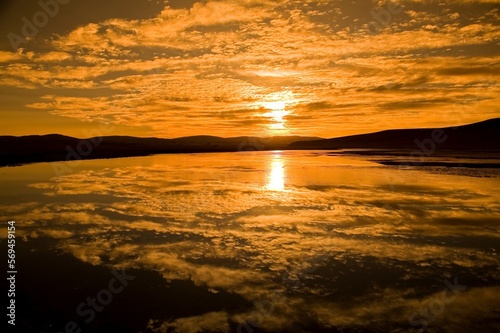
(478, 137)
(481, 136)
(53, 147)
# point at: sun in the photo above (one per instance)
(276, 114)
(275, 108)
(278, 105)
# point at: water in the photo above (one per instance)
(255, 241)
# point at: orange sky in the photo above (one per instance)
(247, 67)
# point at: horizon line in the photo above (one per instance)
(250, 136)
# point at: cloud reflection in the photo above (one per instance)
(345, 232)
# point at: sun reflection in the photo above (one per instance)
(277, 174)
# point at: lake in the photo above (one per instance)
(291, 241)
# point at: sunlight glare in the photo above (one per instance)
(275, 106)
(276, 114)
(276, 174)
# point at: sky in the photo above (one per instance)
(246, 67)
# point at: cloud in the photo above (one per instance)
(306, 249)
(213, 321)
(194, 65)
(9, 56)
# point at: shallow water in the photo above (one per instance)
(257, 241)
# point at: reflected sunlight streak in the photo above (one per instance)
(277, 174)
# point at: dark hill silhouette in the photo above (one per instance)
(481, 136)
(478, 137)
(53, 147)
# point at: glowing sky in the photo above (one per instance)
(247, 67)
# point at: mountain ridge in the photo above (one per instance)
(483, 135)
(16, 150)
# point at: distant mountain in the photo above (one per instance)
(46, 148)
(481, 136)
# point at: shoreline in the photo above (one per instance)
(397, 153)
(440, 164)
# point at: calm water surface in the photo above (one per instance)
(256, 241)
